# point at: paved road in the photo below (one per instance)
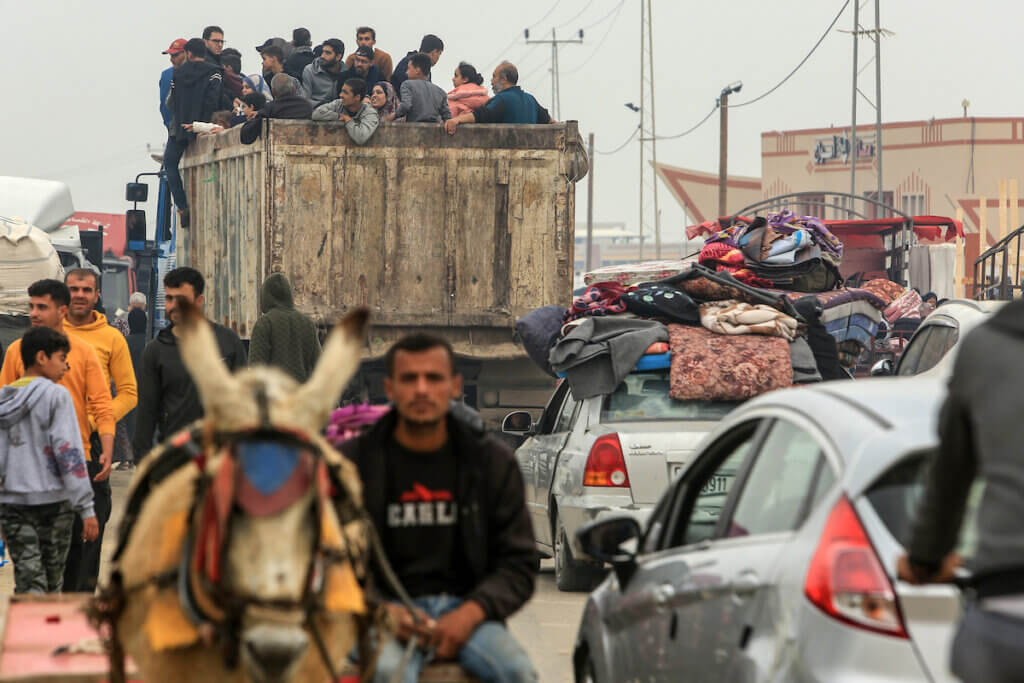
(546, 626)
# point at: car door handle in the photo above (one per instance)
(662, 595)
(746, 584)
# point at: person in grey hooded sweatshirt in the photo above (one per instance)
(43, 478)
(360, 117)
(283, 337)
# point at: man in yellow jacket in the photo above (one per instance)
(87, 325)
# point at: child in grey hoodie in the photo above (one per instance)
(43, 477)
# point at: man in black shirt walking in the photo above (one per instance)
(449, 503)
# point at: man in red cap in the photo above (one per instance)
(177, 54)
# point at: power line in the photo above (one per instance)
(692, 128)
(516, 39)
(600, 44)
(623, 145)
(605, 17)
(802, 61)
(577, 15)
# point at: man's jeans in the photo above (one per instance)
(172, 157)
(490, 654)
(83, 565)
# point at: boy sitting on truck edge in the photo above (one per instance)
(43, 476)
(421, 100)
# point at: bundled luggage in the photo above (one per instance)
(764, 308)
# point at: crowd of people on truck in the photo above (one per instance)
(205, 91)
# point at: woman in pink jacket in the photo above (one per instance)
(468, 95)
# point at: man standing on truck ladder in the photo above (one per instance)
(449, 502)
(195, 95)
(86, 325)
(168, 399)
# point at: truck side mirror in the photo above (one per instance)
(135, 225)
(136, 192)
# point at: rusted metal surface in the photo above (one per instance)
(462, 234)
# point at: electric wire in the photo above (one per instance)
(690, 129)
(500, 54)
(577, 15)
(802, 61)
(623, 145)
(605, 17)
(600, 44)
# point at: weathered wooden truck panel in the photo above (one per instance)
(457, 235)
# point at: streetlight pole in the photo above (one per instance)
(723, 145)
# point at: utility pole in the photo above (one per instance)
(853, 118)
(556, 93)
(723, 151)
(642, 61)
(654, 137)
(723, 145)
(878, 100)
(588, 260)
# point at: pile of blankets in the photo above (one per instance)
(727, 330)
(784, 251)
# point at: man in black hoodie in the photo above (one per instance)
(195, 95)
(168, 399)
(283, 337)
(449, 503)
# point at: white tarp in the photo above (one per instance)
(26, 255)
(45, 204)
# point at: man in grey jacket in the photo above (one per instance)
(320, 78)
(980, 435)
(421, 100)
(359, 117)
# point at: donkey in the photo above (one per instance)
(244, 546)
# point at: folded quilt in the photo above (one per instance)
(635, 273)
(604, 298)
(886, 290)
(851, 308)
(907, 306)
(734, 317)
(715, 367)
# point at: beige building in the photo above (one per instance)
(938, 167)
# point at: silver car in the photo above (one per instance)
(606, 455)
(928, 351)
(773, 557)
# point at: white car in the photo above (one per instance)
(928, 352)
(605, 455)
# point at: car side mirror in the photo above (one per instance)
(519, 423)
(883, 368)
(136, 192)
(604, 539)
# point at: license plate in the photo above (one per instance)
(675, 469)
(714, 486)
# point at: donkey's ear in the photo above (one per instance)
(338, 362)
(201, 356)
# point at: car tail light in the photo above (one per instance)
(847, 581)
(605, 464)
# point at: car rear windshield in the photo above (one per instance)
(643, 397)
(896, 494)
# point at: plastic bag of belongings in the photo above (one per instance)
(728, 328)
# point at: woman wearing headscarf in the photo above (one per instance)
(384, 100)
(256, 83)
(468, 95)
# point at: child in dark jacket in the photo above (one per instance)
(43, 477)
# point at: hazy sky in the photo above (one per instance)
(81, 77)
